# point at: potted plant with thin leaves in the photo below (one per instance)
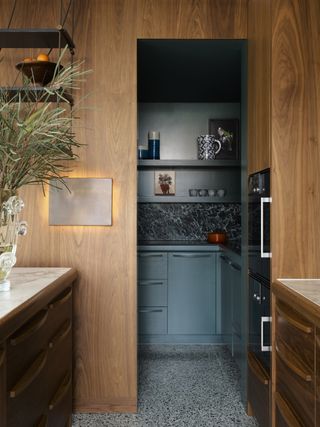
(36, 143)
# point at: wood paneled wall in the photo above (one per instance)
(259, 84)
(106, 33)
(295, 138)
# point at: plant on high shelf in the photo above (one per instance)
(36, 138)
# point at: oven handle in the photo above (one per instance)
(263, 201)
(265, 319)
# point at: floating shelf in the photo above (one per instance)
(35, 38)
(34, 94)
(144, 164)
(188, 199)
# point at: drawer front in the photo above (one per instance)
(258, 390)
(153, 293)
(296, 332)
(285, 415)
(153, 320)
(297, 388)
(152, 265)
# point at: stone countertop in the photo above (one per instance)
(233, 248)
(26, 285)
(308, 289)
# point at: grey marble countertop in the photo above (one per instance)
(232, 247)
(306, 288)
(26, 283)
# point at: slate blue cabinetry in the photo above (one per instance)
(191, 293)
(152, 293)
(177, 296)
(231, 298)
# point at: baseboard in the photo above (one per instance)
(121, 405)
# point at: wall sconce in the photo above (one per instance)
(89, 202)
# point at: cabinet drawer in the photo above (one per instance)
(153, 320)
(296, 384)
(258, 390)
(296, 332)
(153, 293)
(152, 265)
(285, 415)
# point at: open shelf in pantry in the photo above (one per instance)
(144, 164)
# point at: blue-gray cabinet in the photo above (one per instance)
(191, 293)
(152, 293)
(231, 300)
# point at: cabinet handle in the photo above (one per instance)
(61, 391)
(153, 310)
(288, 415)
(30, 375)
(264, 319)
(2, 355)
(146, 255)
(235, 266)
(61, 299)
(294, 322)
(225, 258)
(150, 283)
(30, 328)
(291, 361)
(258, 369)
(43, 422)
(62, 333)
(263, 201)
(191, 255)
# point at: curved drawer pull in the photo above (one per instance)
(291, 361)
(61, 299)
(294, 322)
(43, 422)
(2, 355)
(150, 310)
(30, 328)
(286, 412)
(61, 391)
(151, 283)
(192, 255)
(258, 369)
(30, 375)
(148, 255)
(62, 333)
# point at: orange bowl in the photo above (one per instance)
(217, 237)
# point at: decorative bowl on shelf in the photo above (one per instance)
(217, 237)
(40, 72)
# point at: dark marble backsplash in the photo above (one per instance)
(187, 221)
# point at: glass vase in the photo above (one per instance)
(10, 228)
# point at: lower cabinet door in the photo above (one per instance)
(259, 391)
(152, 320)
(191, 293)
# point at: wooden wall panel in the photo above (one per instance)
(259, 84)
(194, 19)
(295, 138)
(106, 33)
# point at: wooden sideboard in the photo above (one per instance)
(296, 350)
(36, 348)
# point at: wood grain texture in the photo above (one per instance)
(259, 85)
(295, 138)
(105, 301)
(192, 19)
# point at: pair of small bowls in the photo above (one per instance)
(205, 193)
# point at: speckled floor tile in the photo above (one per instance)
(181, 385)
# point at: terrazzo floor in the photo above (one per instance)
(181, 385)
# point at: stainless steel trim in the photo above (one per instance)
(265, 319)
(263, 201)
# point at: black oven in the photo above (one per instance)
(259, 266)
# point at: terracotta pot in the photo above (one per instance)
(217, 237)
